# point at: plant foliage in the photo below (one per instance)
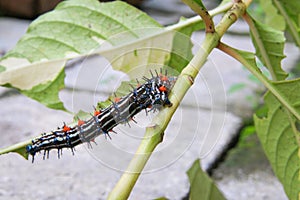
(76, 29)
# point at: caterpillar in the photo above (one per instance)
(150, 95)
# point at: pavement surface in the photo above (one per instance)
(203, 126)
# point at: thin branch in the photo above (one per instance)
(199, 8)
(256, 72)
(197, 19)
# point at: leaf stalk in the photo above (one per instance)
(256, 72)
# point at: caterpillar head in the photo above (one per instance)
(161, 87)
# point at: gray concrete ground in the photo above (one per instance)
(204, 124)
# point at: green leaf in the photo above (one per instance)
(124, 35)
(236, 87)
(161, 198)
(181, 53)
(202, 187)
(280, 138)
(272, 17)
(290, 12)
(47, 92)
(248, 60)
(17, 148)
(75, 29)
(2, 68)
(269, 44)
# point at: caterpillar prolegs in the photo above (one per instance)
(150, 95)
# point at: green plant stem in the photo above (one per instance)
(231, 16)
(199, 8)
(220, 9)
(257, 73)
(154, 133)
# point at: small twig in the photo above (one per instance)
(251, 66)
(200, 9)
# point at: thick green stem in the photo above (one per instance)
(154, 134)
(231, 16)
(124, 186)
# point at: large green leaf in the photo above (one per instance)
(124, 35)
(280, 138)
(84, 29)
(290, 12)
(269, 44)
(74, 29)
(47, 92)
(201, 186)
(278, 130)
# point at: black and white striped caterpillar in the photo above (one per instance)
(153, 93)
